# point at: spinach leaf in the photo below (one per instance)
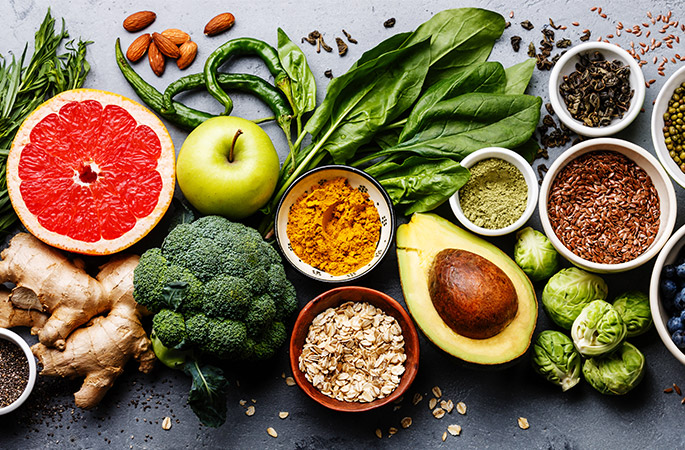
(459, 126)
(420, 184)
(528, 149)
(486, 77)
(394, 42)
(360, 102)
(303, 84)
(207, 396)
(459, 38)
(518, 76)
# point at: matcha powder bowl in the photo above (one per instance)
(501, 195)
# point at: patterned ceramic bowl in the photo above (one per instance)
(357, 179)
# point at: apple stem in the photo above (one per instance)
(235, 138)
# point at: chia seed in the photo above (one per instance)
(14, 372)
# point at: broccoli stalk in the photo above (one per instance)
(207, 396)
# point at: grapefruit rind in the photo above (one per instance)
(165, 167)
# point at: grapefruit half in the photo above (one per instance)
(91, 172)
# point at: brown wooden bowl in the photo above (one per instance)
(336, 297)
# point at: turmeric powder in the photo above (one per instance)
(334, 227)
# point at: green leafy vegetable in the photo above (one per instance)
(25, 84)
(633, 306)
(207, 396)
(302, 82)
(568, 291)
(420, 184)
(518, 77)
(598, 329)
(535, 254)
(556, 359)
(616, 373)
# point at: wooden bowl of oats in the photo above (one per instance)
(607, 205)
(354, 349)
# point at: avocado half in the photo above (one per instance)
(418, 243)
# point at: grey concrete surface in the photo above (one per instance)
(130, 416)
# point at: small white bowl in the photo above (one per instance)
(660, 316)
(358, 179)
(659, 177)
(567, 65)
(660, 107)
(529, 175)
(18, 340)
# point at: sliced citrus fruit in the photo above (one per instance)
(91, 172)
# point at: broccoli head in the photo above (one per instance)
(230, 296)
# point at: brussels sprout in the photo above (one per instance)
(534, 253)
(568, 291)
(598, 329)
(633, 306)
(616, 373)
(556, 359)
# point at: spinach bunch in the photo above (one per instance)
(412, 107)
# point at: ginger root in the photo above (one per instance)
(86, 326)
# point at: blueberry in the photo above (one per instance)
(678, 338)
(668, 289)
(668, 271)
(680, 270)
(679, 300)
(682, 317)
(674, 324)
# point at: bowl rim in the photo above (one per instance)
(660, 105)
(560, 108)
(365, 175)
(655, 304)
(13, 337)
(589, 146)
(409, 333)
(526, 170)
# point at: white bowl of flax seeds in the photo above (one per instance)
(607, 205)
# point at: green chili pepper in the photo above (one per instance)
(243, 46)
(189, 118)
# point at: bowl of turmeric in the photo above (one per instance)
(335, 223)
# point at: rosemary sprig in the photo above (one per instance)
(24, 87)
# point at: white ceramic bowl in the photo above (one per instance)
(660, 179)
(528, 173)
(668, 255)
(660, 107)
(567, 65)
(18, 340)
(358, 179)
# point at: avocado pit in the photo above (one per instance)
(472, 295)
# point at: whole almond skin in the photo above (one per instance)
(219, 24)
(165, 46)
(188, 51)
(139, 20)
(156, 59)
(138, 47)
(176, 36)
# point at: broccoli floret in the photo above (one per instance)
(231, 293)
(261, 314)
(169, 327)
(147, 288)
(227, 297)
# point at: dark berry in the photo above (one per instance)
(678, 338)
(668, 289)
(679, 300)
(674, 324)
(668, 271)
(680, 271)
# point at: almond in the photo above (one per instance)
(176, 36)
(188, 51)
(156, 58)
(138, 21)
(219, 24)
(138, 47)
(165, 46)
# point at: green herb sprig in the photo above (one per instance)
(26, 83)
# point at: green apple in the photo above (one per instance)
(227, 166)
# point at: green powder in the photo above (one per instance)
(496, 194)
